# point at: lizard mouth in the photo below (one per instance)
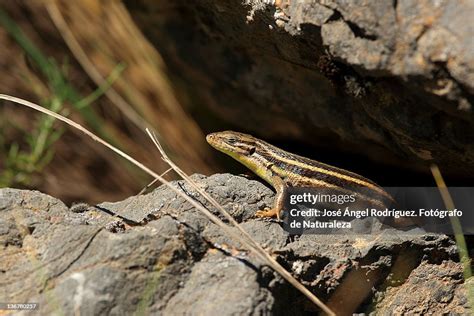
(212, 139)
(219, 142)
(228, 143)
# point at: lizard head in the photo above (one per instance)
(232, 143)
(244, 148)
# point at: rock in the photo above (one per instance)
(219, 285)
(156, 254)
(391, 80)
(433, 294)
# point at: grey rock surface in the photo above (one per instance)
(392, 80)
(156, 254)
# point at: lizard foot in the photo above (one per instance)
(268, 213)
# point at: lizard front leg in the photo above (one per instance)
(281, 190)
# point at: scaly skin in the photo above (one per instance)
(282, 169)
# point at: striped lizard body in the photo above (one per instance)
(282, 169)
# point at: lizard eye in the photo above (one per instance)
(232, 140)
(252, 151)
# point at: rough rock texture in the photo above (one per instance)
(157, 254)
(392, 79)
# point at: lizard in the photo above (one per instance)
(282, 169)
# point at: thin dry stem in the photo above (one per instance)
(455, 223)
(153, 182)
(248, 241)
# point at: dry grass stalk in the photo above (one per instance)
(246, 240)
(455, 223)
